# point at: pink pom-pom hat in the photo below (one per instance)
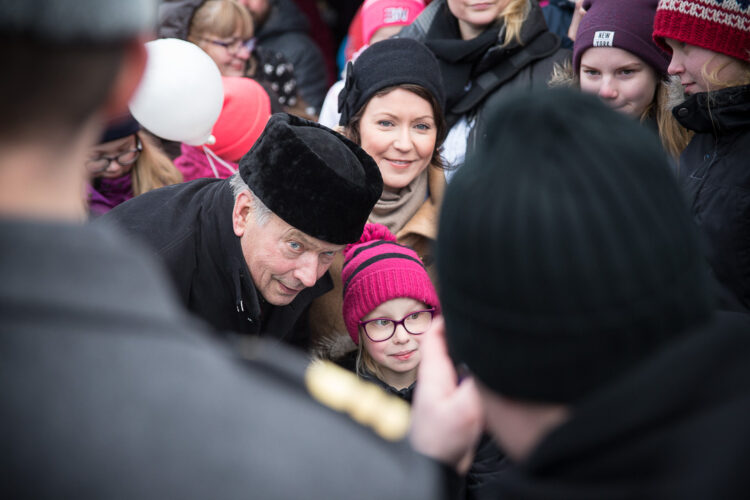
(376, 270)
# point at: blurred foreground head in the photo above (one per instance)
(563, 261)
(61, 59)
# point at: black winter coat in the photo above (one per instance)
(287, 31)
(189, 226)
(715, 174)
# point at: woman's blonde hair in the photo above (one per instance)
(222, 18)
(514, 15)
(712, 77)
(153, 169)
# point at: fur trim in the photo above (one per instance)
(333, 347)
(563, 75)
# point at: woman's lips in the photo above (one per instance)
(399, 163)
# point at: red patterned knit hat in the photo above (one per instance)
(376, 270)
(719, 25)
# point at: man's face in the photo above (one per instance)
(282, 259)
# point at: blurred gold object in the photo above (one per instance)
(363, 401)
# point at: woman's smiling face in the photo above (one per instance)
(398, 131)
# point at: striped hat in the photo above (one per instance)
(719, 25)
(376, 270)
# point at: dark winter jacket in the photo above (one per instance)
(499, 71)
(715, 174)
(286, 31)
(190, 227)
(558, 14)
(674, 427)
(109, 390)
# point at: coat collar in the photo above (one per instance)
(721, 111)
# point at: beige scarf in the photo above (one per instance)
(394, 210)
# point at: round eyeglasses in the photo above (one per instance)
(381, 329)
(234, 46)
(125, 159)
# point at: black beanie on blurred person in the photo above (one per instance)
(565, 252)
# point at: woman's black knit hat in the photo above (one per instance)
(395, 61)
(565, 251)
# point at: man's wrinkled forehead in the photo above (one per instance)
(77, 20)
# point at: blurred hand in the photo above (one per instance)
(578, 14)
(446, 415)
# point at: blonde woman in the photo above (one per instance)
(225, 30)
(484, 50)
(710, 46)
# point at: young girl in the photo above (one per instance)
(389, 302)
(125, 163)
(615, 57)
(391, 105)
(710, 45)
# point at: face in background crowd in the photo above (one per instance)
(282, 260)
(398, 130)
(113, 159)
(621, 79)
(398, 357)
(694, 64)
(474, 16)
(229, 53)
(224, 30)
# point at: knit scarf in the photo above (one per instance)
(395, 209)
(457, 57)
(105, 194)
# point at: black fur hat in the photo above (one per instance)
(395, 61)
(315, 179)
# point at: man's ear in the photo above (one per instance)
(128, 77)
(241, 213)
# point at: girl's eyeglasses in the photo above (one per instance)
(127, 158)
(381, 329)
(234, 46)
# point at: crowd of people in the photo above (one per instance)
(506, 255)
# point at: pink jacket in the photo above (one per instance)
(194, 163)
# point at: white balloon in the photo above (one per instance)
(181, 94)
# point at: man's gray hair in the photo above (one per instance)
(261, 211)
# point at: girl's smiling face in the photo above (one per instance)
(621, 79)
(398, 357)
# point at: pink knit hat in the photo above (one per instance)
(379, 13)
(246, 110)
(376, 270)
(717, 25)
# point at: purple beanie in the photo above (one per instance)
(376, 270)
(624, 24)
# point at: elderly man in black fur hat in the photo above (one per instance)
(248, 254)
